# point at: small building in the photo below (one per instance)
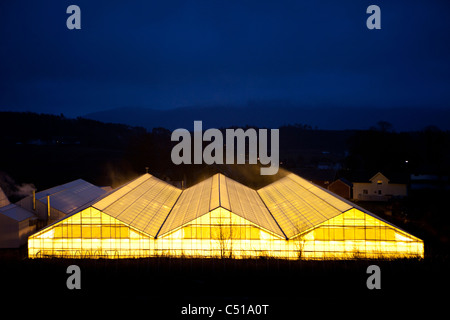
(342, 188)
(16, 224)
(63, 200)
(378, 189)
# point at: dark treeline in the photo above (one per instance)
(45, 129)
(49, 149)
(426, 151)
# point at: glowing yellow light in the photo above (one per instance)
(220, 233)
(289, 219)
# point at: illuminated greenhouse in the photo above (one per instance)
(219, 217)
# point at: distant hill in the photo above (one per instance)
(270, 116)
(49, 129)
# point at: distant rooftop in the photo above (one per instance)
(15, 212)
(71, 196)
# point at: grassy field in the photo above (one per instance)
(162, 286)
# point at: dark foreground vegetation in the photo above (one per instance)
(162, 286)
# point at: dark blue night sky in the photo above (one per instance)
(168, 54)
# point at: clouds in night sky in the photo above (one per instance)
(165, 54)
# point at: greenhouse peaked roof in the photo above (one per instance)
(298, 205)
(144, 203)
(220, 191)
(285, 208)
